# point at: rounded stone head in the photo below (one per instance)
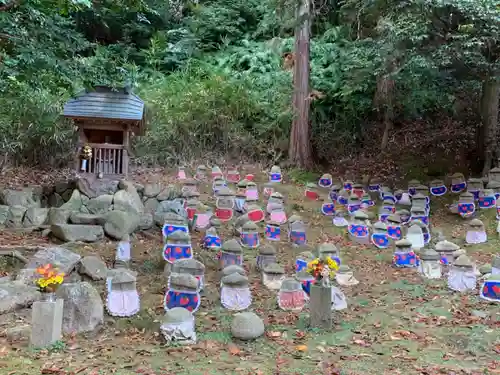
(179, 237)
(249, 226)
(232, 246)
(177, 315)
(430, 255)
(267, 250)
(183, 281)
(290, 284)
(233, 268)
(273, 269)
(235, 280)
(463, 261)
(275, 169)
(380, 227)
(403, 244)
(446, 246)
(243, 184)
(476, 224)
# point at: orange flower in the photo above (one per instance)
(44, 270)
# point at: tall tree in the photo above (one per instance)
(300, 151)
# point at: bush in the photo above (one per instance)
(204, 111)
(31, 128)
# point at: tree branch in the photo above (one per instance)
(9, 6)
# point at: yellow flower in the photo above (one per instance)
(332, 264)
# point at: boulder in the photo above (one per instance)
(247, 326)
(15, 216)
(171, 192)
(58, 216)
(25, 198)
(15, 295)
(18, 333)
(63, 259)
(134, 199)
(94, 267)
(89, 219)
(66, 195)
(151, 205)
(74, 203)
(146, 221)
(120, 223)
(151, 190)
(139, 188)
(83, 307)
(123, 201)
(4, 213)
(92, 187)
(176, 206)
(35, 216)
(62, 186)
(101, 204)
(55, 200)
(77, 232)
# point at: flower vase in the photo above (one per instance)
(320, 306)
(49, 297)
(46, 321)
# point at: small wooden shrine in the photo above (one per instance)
(105, 118)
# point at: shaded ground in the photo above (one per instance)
(395, 324)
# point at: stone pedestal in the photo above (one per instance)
(46, 323)
(320, 307)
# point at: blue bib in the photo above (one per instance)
(380, 240)
(458, 188)
(189, 300)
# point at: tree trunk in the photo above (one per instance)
(384, 101)
(299, 152)
(489, 121)
(388, 126)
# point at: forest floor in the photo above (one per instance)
(395, 323)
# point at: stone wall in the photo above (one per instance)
(83, 210)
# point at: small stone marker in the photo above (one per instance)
(321, 307)
(247, 326)
(46, 323)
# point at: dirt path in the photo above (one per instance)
(395, 324)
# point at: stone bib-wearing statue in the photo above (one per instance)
(291, 296)
(275, 175)
(123, 298)
(380, 238)
(235, 293)
(225, 204)
(358, 228)
(476, 233)
(178, 327)
(272, 276)
(325, 180)
(490, 290)
(404, 256)
(458, 183)
(462, 277)
(178, 246)
(430, 264)
(183, 291)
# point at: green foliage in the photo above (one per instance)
(201, 111)
(211, 72)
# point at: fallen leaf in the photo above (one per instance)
(361, 342)
(301, 348)
(233, 349)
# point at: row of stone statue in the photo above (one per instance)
(390, 226)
